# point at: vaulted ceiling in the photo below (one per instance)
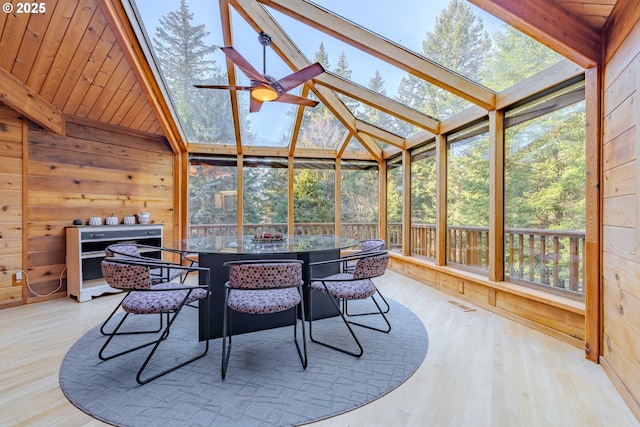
(80, 60)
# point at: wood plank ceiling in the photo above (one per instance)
(71, 58)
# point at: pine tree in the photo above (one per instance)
(458, 43)
(186, 59)
(514, 58)
(374, 115)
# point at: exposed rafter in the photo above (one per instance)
(376, 132)
(22, 99)
(373, 99)
(260, 20)
(385, 50)
(225, 19)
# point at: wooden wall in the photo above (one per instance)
(621, 203)
(10, 205)
(95, 169)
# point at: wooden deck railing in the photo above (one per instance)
(358, 231)
(554, 258)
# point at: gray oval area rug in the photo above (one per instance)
(265, 382)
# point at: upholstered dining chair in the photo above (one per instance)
(144, 296)
(344, 287)
(263, 287)
(366, 246)
(137, 251)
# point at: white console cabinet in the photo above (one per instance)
(85, 251)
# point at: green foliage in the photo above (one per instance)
(265, 195)
(545, 171)
(468, 182)
(514, 58)
(423, 191)
(313, 195)
(359, 195)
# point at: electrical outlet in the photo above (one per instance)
(17, 278)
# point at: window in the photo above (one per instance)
(264, 195)
(314, 184)
(394, 204)
(468, 198)
(545, 191)
(423, 201)
(213, 190)
(359, 199)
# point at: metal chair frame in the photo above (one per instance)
(341, 304)
(152, 263)
(349, 268)
(227, 324)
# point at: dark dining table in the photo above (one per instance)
(214, 251)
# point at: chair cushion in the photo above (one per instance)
(351, 289)
(263, 301)
(149, 302)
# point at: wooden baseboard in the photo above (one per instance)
(562, 318)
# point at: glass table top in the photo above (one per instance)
(248, 244)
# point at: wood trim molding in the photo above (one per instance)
(593, 223)
(382, 191)
(19, 97)
(549, 23)
(496, 195)
(406, 202)
(441, 197)
(622, 19)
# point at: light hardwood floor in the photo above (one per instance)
(481, 370)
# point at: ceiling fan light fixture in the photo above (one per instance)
(264, 93)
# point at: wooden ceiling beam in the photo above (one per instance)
(386, 50)
(552, 25)
(545, 79)
(225, 19)
(381, 134)
(381, 102)
(18, 96)
(258, 18)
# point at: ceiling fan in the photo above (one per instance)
(264, 87)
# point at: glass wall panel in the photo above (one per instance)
(545, 192)
(213, 196)
(394, 204)
(314, 187)
(468, 198)
(423, 201)
(264, 194)
(359, 199)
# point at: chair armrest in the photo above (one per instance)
(346, 258)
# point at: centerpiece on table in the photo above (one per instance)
(266, 235)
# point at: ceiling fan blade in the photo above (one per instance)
(293, 99)
(254, 105)
(301, 76)
(243, 64)
(223, 87)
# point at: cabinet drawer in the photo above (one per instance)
(119, 234)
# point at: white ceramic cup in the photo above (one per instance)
(95, 220)
(129, 219)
